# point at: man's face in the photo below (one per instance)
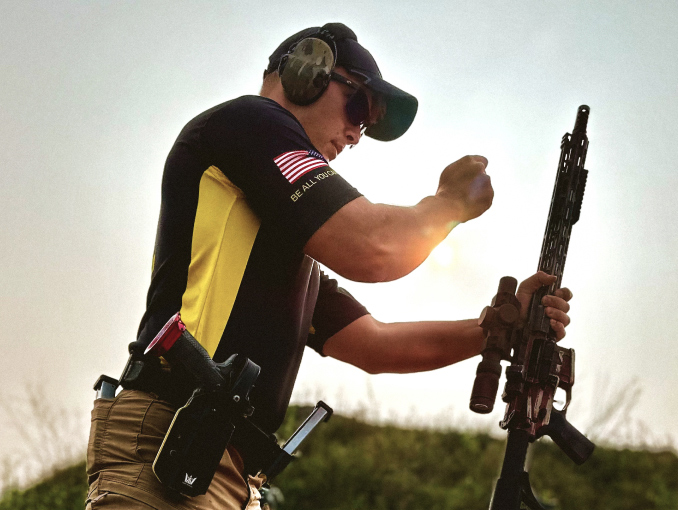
(326, 122)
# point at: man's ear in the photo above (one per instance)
(269, 82)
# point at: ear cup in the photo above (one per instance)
(305, 71)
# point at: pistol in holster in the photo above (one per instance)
(201, 429)
(219, 404)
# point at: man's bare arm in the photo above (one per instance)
(376, 242)
(405, 347)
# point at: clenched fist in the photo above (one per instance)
(466, 187)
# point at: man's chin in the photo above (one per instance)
(331, 153)
(336, 150)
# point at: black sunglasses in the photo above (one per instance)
(358, 105)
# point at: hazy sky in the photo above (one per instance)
(93, 95)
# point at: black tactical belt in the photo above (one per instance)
(146, 374)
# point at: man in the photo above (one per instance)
(249, 208)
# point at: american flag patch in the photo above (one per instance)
(294, 164)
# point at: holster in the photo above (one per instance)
(202, 429)
(260, 451)
(205, 420)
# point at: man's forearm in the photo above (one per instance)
(409, 234)
(405, 347)
(374, 242)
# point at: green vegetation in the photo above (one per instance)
(65, 490)
(349, 464)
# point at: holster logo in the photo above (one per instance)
(189, 480)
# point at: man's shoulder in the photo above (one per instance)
(256, 110)
(242, 118)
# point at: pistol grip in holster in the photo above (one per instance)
(202, 430)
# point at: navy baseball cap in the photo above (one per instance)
(400, 107)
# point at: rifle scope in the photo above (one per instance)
(497, 322)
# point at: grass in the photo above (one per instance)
(350, 464)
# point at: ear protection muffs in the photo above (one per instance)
(305, 71)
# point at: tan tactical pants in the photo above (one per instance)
(125, 436)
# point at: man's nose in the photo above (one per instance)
(352, 134)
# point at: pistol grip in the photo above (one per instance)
(575, 444)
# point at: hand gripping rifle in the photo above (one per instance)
(538, 364)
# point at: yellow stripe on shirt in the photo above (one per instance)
(223, 235)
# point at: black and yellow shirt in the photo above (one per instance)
(243, 190)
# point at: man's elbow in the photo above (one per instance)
(369, 364)
(373, 262)
(361, 344)
(382, 365)
(372, 370)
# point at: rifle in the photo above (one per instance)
(538, 364)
